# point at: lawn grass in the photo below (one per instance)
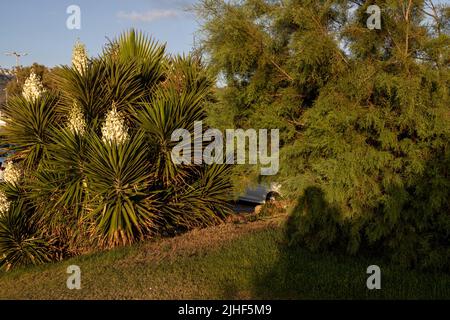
(232, 261)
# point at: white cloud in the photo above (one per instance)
(149, 16)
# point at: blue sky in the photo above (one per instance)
(39, 27)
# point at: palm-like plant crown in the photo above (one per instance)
(96, 153)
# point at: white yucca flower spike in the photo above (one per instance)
(4, 203)
(79, 57)
(12, 173)
(114, 129)
(32, 87)
(77, 123)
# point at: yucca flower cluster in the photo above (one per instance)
(79, 57)
(4, 203)
(77, 123)
(32, 87)
(12, 173)
(114, 129)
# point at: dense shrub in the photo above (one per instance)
(96, 168)
(363, 116)
(382, 160)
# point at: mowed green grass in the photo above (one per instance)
(227, 262)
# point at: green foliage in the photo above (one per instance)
(117, 179)
(229, 262)
(313, 222)
(201, 202)
(363, 116)
(178, 103)
(87, 192)
(20, 240)
(28, 125)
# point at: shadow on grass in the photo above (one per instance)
(311, 270)
(300, 273)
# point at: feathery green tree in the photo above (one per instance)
(363, 115)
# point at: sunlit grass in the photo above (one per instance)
(251, 264)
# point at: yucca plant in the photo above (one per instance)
(118, 175)
(83, 89)
(146, 54)
(194, 195)
(97, 158)
(21, 239)
(61, 182)
(199, 203)
(178, 103)
(21, 242)
(28, 124)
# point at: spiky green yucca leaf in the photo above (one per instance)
(20, 241)
(87, 89)
(168, 112)
(187, 73)
(132, 44)
(123, 80)
(205, 201)
(88, 192)
(60, 201)
(61, 179)
(149, 55)
(123, 83)
(68, 153)
(177, 104)
(28, 125)
(118, 177)
(103, 83)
